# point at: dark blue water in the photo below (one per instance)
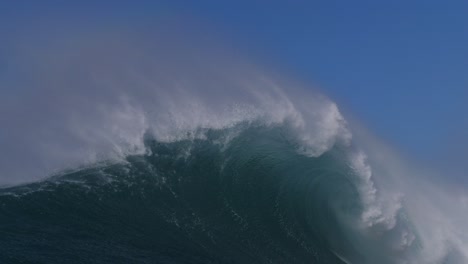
(253, 199)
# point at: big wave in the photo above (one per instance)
(174, 158)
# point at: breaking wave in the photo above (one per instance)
(201, 162)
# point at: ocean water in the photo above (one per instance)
(246, 194)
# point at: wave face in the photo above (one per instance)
(240, 195)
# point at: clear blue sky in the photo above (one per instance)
(399, 66)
